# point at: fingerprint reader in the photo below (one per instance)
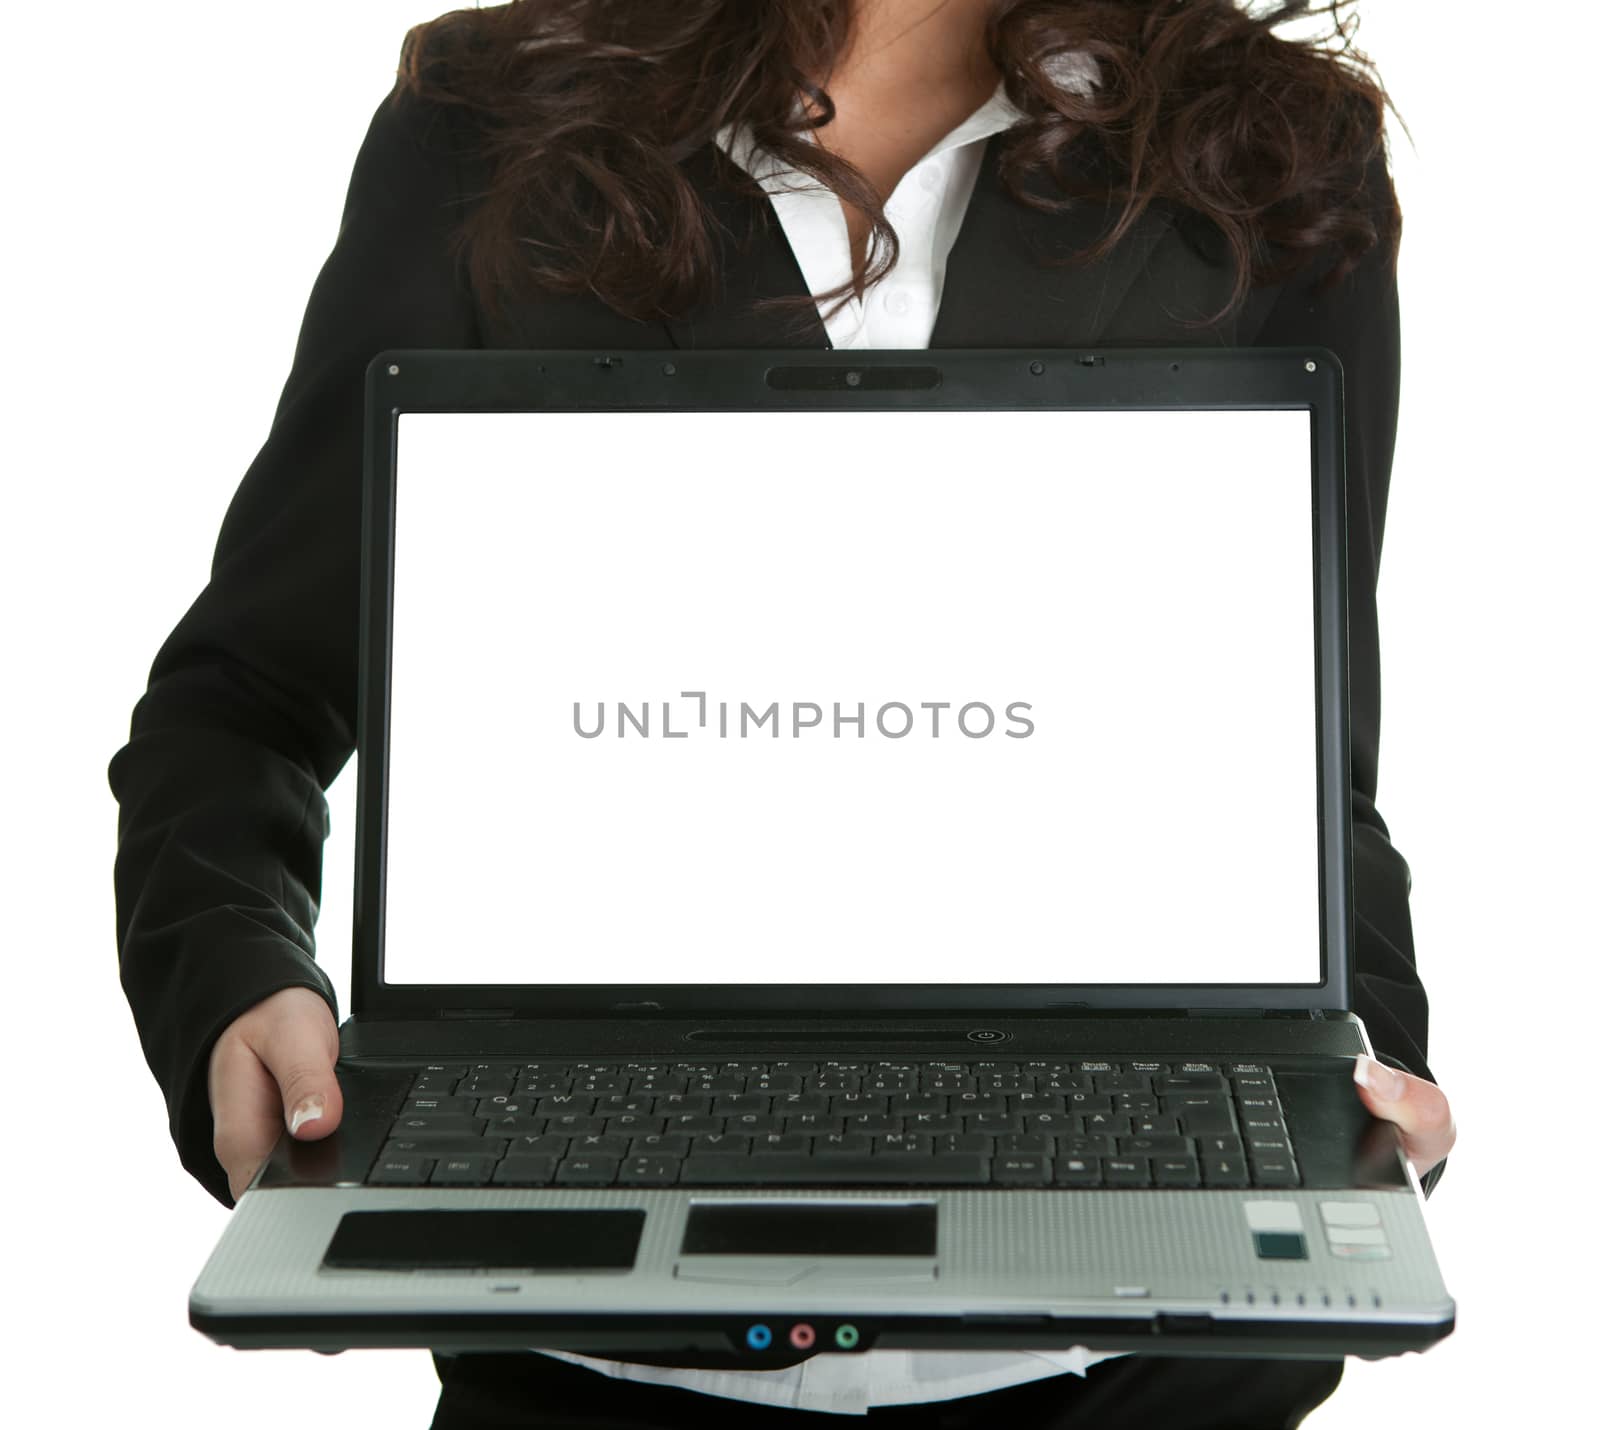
(1280, 1246)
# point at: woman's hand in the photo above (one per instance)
(273, 1068)
(1414, 1105)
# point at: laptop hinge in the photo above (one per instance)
(1237, 1013)
(477, 1013)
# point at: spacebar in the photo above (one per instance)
(782, 1169)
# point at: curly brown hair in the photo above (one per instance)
(587, 109)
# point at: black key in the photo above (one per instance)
(1189, 1082)
(1025, 1144)
(1258, 1105)
(1056, 1124)
(461, 1171)
(1108, 1124)
(587, 1171)
(1121, 1082)
(516, 1125)
(1150, 1069)
(875, 1125)
(600, 1082)
(1126, 1171)
(488, 1106)
(618, 1104)
(1224, 1172)
(1247, 1070)
(676, 1104)
(933, 1123)
(574, 1124)
(915, 1102)
(776, 1142)
(1152, 1126)
(435, 1123)
(730, 1104)
(1136, 1104)
(525, 1172)
(634, 1124)
(731, 1143)
(1089, 1102)
(543, 1144)
(1206, 1122)
(800, 1104)
(694, 1124)
(1031, 1104)
(542, 1086)
(800, 1070)
(944, 1083)
(400, 1172)
(843, 1144)
(425, 1106)
(1096, 1145)
(660, 1144)
(994, 1123)
(1177, 1172)
(952, 1169)
(1254, 1087)
(978, 1142)
(648, 1172)
(444, 1146)
(1270, 1147)
(1157, 1146)
(859, 1104)
(752, 1124)
(1274, 1172)
(1189, 1069)
(972, 1104)
(1098, 1067)
(654, 1085)
(561, 1104)
(599, 1144)
(813, 1124)
(1220, 1146)
(1077, 1172)
(719, 1085)
(1020, 1171)
(904, 1144)
(1254, 1127)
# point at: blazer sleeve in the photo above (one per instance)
(250, 708)
(1359, 319)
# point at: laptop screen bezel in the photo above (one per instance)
(1108, 378)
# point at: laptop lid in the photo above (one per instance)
(775, 683)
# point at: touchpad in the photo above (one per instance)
(435, 1240)
(811, 1229)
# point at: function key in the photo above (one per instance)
(789, 1069)
(1099, 1067)
(1148, 1068)
(694, 1069)
(852, 1069)
(559, 1067)
(1195, 1068)
(1247, 1070)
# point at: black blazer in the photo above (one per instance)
(250, 711)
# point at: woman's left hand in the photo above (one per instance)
(1415, 1105)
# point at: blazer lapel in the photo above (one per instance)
(997, 291)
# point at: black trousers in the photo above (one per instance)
(1136, 1392)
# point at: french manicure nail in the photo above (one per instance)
(1377, 1078)
(308, 1109)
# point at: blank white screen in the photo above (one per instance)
(1142, 581)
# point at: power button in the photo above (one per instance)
(987, 1035)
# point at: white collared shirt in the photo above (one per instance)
(925, 210)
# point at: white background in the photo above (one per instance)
(1153, 612)
(176, 173)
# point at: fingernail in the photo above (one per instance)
(1376, 1078)
(308, 1109)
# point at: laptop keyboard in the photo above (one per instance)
(583, 1123)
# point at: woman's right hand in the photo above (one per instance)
(273, 1068)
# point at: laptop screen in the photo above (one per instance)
(856, 697)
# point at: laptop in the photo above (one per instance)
(853, 851)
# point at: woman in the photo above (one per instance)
(562, 173)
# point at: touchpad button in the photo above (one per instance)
(434, 1240)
